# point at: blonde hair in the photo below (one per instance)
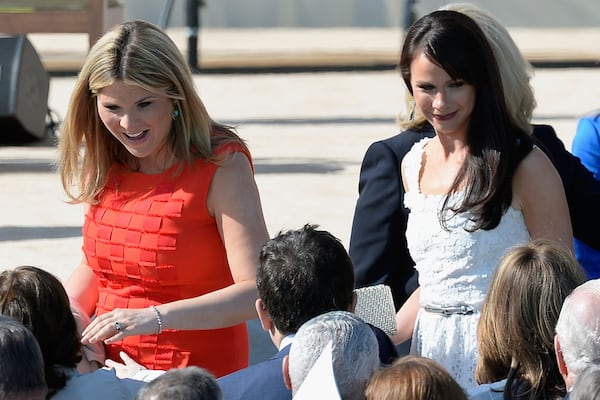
(413, 378)
(518, 317)
(136, 53)
(515, 71)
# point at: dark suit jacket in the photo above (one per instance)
(581, 188)
(377, 243)
(264, 380)
(261, 381)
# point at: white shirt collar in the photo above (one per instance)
(286, 341)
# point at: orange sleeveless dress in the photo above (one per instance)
(150, 240)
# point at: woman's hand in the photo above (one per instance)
(127, 369)
(120, 323)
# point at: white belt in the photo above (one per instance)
(448, 310)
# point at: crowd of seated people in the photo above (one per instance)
(38, 300)
(519, 356)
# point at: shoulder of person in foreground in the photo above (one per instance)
(101, 384)
(488, 391)
(260, 381)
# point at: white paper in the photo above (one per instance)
(320, 381)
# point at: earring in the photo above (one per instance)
(411, 115)
(175, 114)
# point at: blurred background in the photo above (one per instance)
(362, 13)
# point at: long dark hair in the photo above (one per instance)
(454, 42)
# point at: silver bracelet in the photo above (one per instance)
(158, 319)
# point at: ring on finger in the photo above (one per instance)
(118, 326)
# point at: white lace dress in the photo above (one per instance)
(455, 268)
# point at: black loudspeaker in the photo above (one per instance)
(24, 85)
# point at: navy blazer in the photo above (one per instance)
(261, 381)
(378, 244)
(264, 380)
(581, 188)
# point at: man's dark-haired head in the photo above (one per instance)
(304, 273)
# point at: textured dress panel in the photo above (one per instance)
(455, 268)
(150, 240)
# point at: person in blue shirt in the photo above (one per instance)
(586, 146)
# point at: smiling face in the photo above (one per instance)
(445, 102)
(140, 120)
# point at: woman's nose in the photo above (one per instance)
(439, 100)
(127, 122)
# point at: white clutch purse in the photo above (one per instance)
(375, 305)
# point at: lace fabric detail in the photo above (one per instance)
(455, 267)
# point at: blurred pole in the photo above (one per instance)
(409, 13)
(165, 13)
(193, 25)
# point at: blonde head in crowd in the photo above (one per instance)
(516, 329)
(413, 378)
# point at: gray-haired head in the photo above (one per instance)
(578, 327)
(354, 352)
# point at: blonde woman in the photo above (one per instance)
(173, 222)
